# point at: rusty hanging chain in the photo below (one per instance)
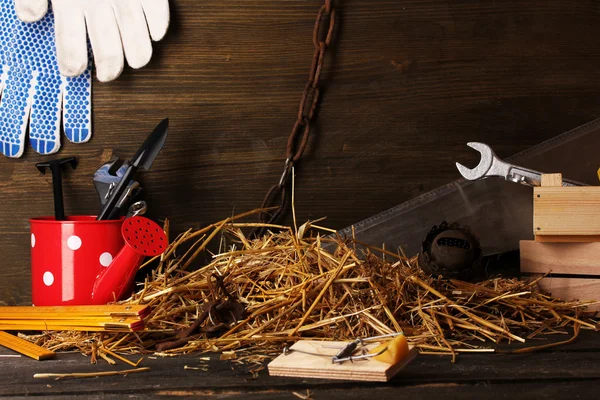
(298, 139)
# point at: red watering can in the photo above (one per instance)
(82, 261)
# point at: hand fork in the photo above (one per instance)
(491, 166)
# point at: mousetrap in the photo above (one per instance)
(324, 359)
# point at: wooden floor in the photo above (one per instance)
(567, 372)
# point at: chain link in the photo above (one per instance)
(277, 196)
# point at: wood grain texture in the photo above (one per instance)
(551, 180)
(569, 289)
(408, 85)
(473, 376)
(560, 258)
(302, 364)
(25, 347)
(566, 211)
(567, 238)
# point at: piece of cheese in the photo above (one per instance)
(395, 351)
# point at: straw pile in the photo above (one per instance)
(259, 294)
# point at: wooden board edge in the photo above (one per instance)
(566, 211)
(25, 347)
(342, 377)
(560, 258)
(364, 376)
(567, 238)
(571, 289)
(551, 180)
(412, 353)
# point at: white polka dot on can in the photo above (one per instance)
(106, 259)
(48, 278)
(74, 242)
(32, 240)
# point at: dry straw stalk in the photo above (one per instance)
(292, 287)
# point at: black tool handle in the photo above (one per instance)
(59, 205)
(55, 167)
(115, 213)
(108, 208)
(123, 203)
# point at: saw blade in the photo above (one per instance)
(500, 213)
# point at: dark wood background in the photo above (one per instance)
(229, 76)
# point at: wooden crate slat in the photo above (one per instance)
(566, 210)
(573, 289)
(560, 258)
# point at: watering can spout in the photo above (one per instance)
(143, 238)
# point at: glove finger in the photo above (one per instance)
(77, 108)
(134, 33)
(44, 124)
(31, 10)
(3, 77)
(157, 16)
(106, 42)
(71, 43)
(15, 105)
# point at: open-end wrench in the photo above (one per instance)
(491, 166)
(137, 208)
(107, 177)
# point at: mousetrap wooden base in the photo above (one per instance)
(302, 365)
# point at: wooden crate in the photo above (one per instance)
(578, 265)
(566, 225)
(565, 214)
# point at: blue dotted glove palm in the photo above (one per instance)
(33, 92)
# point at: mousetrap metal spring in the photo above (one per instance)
(346, 353)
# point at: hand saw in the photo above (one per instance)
(500, 213)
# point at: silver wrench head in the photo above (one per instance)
(137, 208)
(481, 170)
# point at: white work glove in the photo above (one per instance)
(32, 91)
(114, 28)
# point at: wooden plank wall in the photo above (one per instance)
(409, 84)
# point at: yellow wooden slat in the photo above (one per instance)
(74, 327)
(116, 310)
(75, 321)
(25, 347)
(121, 318)
(36, 317)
